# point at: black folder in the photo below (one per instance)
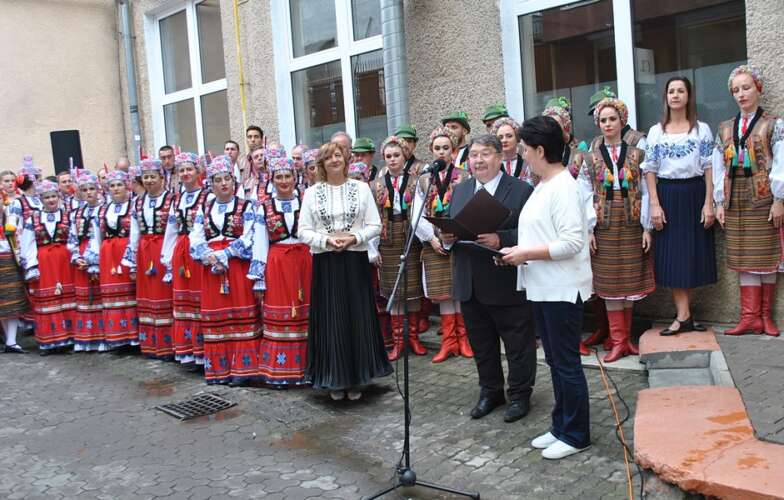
(482, 214)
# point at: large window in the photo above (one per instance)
(573, 49)
(188, 77)
(329, 69)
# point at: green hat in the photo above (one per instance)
(457, 116)
(603, 93)
(363, 145)
(407, 131)
(559, 102)
(495, 112)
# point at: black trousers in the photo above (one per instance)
(514, 325)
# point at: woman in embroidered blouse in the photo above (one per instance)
(153, 295)
(506, 130)
(222, 240)
(181, 271)
(47, 262)
(678, 172)
(89, 332)
(748, 180)
(337, 219)
(108, 242)
(284, 267)
(436, 262)
(13, 297)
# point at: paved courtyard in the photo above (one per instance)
(84, 426)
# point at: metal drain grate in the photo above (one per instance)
(205, 404)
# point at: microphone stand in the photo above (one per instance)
(405, 475)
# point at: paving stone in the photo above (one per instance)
(679, 376)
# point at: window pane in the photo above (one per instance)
(318, 103)
(367, 18)
(702, 40)
(215, 121)
(174, 52)
(312, 26)
(180, 120)
(370, 106)
(210, 41)
(568, 51)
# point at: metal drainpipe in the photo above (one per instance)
(395, 65)
(130, 78)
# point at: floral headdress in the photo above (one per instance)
(611, 102)
(437, 132)
(754, 72)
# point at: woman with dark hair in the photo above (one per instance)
(555, 272)
(337, 219)
(678, 172)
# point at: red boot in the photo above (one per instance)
(413, 335)
(750, 312)
(618, 335)
(602, 330)
(462, 338)
(386, 330)
(584, 351)
(627, 315)
(397, 337)
(424, 315)
(768, 299)
(449, 344)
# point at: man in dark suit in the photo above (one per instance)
(492, 307)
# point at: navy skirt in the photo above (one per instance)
(684, 251)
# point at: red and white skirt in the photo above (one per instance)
(118, 295)
(284, 346)
(229, 322)
(88, 317)
(54, 301)
(186, 285)
(153, 299)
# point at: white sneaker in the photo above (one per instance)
(544, 441)
(559, 450)
(354, 395)
(337, 395)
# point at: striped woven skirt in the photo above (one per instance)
(391, 249)
(13, 297)
(53, 297)
(153, 300)
(230, 322)
(186, 287)
(284, 346)
(621, 270)
(118, 295)
(88, 317)
(437, 270)
(753, 244)
(684, 251)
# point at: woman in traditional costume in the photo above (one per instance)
(309, 168)
(13, 296)
(511, 161)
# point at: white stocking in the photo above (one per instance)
(768, 279)
(9, 327)
(614, 305)
(446, 307)
(749, 279)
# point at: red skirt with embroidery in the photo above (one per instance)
(118, 295)
(284, 346)
(186, 285)
(230, 322)
(153, 299)
(54, 301)
(88, 317)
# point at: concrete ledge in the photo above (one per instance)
(700, 438)
(680, 377)
(687, 350)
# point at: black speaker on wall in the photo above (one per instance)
(66, 145)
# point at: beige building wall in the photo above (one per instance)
(59, 70)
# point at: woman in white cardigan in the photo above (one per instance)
(555, 270)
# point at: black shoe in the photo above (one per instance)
(15, 349)
(486, 404)
(44, 352)
(517, 409)
(684, 326)
(238, 383)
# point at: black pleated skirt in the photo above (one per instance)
(684, 251)
(345, 346)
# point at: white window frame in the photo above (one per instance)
(285, 63)
(158, 96)
(511, 10)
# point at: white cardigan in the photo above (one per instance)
(555, 216)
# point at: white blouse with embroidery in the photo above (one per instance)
(679, 156)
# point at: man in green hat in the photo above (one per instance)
(492, 113)
(408, 136)
(364, 150)
(457, 122)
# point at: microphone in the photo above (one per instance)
(433, 168)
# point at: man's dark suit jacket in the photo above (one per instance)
(473, 271)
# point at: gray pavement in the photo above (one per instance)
(84, 426)
(755, 362)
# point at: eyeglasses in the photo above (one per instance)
(485, 155)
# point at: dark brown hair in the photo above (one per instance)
(691, 104)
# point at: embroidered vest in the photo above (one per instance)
(384, 199)
(123, 229)
(757, 151)
(261, 189)
(83, 227)
(160, 214)
(61, 229)
(27, 208)
(186, 217)
(233, 222)
(576, 158)
(597, 170)
(276, 221)
(632, 137)
(440, 195)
